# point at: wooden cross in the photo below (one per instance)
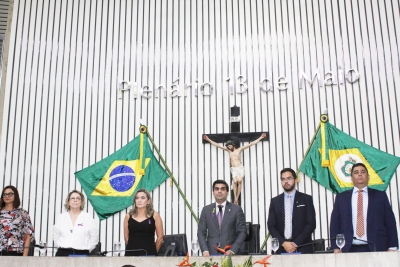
(235, 136)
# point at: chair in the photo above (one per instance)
(96, 251)
(254, 242)
(251, 244)
(32, 248)
(319, 245)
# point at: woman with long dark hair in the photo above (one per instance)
(16, 229)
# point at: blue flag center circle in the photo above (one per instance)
(122, 178)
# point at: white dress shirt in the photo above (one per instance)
(83, 235)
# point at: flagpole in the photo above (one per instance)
(265, 241)
(171, 176)
(308, 149)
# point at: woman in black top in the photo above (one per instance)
(141, 225)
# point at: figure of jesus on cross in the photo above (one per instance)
(237, 168)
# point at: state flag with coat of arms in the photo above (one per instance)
(110, 184)
(333, 153)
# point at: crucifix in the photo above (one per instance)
(232, 146)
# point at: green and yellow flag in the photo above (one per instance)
(110, 184)
(334, 152)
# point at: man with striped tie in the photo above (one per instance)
(291, 217)
(364, 216)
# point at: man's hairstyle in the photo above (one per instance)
(358, 165)
(230, 142)
(289, 170)
(221, 182)
(17, 200)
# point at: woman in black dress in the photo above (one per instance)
(141, 225)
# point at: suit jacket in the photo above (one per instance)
(233, 230)
(303, 221)
(381, 224)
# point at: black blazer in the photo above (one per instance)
(303, 221)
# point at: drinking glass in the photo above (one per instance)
(274, 244)
(117, 248)
(195, 247)
(340, 241)
(42, 248)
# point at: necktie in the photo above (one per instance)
(220, 215)
(360, 215)
(288, 217)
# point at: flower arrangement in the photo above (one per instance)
(226, 262)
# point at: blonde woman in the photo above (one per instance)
(75, 231)
(141, 225)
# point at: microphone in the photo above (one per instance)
(366, 241)
(330, 248)
(317, 242)
(104, 253)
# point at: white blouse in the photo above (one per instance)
(83, 235)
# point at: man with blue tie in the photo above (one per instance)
(364, 216)
(221, 224)
(291, 217)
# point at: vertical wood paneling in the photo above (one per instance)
(62, 110)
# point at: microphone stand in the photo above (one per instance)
(104, 253)
(315, 242)
(41, 247)
(366, 241)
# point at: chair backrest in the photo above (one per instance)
(32, 248)
(252, 241)
(96, 249)
(319, 245)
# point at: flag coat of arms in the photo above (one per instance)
(110, 184)
(333, 153)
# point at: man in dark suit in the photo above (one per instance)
(221, 223)
(291, 216)
(364, 216)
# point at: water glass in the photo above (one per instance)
(42, 248)
(117, 248)
(274, 244)
(195, 247)
(340, 241)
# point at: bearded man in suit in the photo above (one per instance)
(291, 217)
(221, 224)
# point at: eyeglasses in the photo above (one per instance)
(287, 179)
(8, 194)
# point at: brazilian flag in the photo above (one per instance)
(334, 152)
(110, 184)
